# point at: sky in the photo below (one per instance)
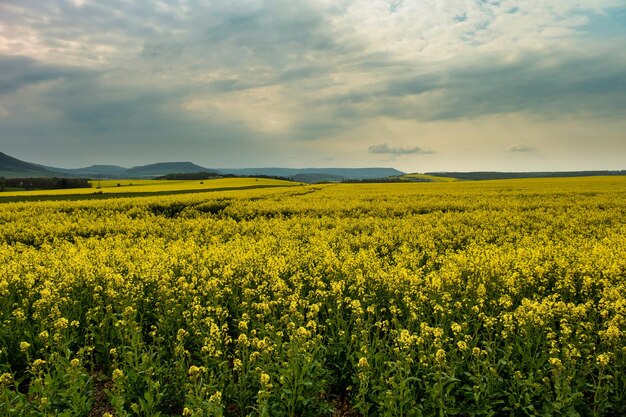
(428, 85)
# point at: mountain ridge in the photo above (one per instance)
(11, 167)
(164, 168)
(332, 173)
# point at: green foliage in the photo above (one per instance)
(468, 299)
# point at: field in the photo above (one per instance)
(132, 187)
(492, 298)
(427, 178)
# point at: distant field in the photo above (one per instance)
(426, 177)
(152, 186)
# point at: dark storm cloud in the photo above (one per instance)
(163, 49)
(414, 86)
(18, 72)
(546, 86)
(94, 121)
(121, 109)
(94, 109)
(275, 27)
(93, 116)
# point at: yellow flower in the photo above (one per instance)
(195, 371)
(61, 323)
(440, 356)
(118, 374)
(181, 334)
(24, 346)
(6, 378)
(264, 379)
(38, 362)
(302, 332)
(613, 333)
(602, 359)
(19, 314)
(405, 337)
(216, 398)
(363, 363)
(555, 362)
(243, 340)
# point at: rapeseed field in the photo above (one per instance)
(153, 186)
(494, 298)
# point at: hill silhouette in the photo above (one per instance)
(164, 168)
(14, 168)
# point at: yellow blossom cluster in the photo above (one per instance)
(474, 298)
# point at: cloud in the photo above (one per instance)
(384, 148)
(520, 147)
(19, 72)
(546, 84)
(292, 74)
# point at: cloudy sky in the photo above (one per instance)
(420, 85)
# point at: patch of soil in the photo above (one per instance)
(343, 408)
(101, 403)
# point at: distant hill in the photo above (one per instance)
(190, 176)
(317, 177)
(14, 168)
(107, 171)
(317, 174)
(164, 168)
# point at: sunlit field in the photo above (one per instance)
(494, 298)
(152, 186)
